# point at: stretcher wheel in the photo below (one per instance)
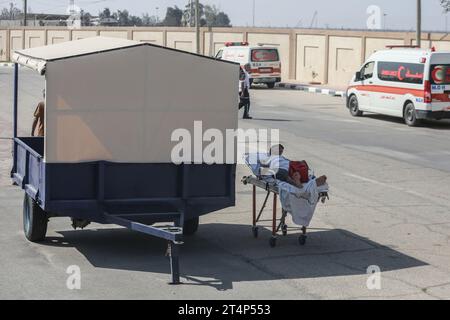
(255, 231)
(302, 240)
(285, 230)
(273, 242)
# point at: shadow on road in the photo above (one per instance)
(222, 254)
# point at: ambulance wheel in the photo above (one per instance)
(302, 240)
(35, 220)
(353, 106)
(271, 85)
(190, 226)
(410, 116)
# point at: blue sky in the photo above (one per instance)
(400, 14)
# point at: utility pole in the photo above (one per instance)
(197, 25)
(25, 6)
(254, 8)
(72, 7)
(446, 22)
(419, 23)
(191, 13)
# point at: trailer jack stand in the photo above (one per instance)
(173, 250)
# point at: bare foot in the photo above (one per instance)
(321, 181)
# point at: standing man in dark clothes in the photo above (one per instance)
(244, 94)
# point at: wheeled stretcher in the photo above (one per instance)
(272, 186)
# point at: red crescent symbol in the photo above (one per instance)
(435, 76)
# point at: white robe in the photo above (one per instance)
(301, 203)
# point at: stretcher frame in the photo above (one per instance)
(276, 224)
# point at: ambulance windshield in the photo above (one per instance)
(264, 55)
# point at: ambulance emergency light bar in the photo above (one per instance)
(433, 49)
(402, 47)
(234, 44)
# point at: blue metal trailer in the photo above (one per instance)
(135, 195)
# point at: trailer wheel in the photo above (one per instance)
(34, 220)
(190, 227)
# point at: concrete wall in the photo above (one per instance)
(217, 41)
(344, 58)
(319, 56)
(3, 45)
(311, 58)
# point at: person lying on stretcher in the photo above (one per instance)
(293, 172)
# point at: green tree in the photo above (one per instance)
(222, 20)
(148, 20)
(446, 5)
(173, 17)
(85, 18)
(189, 14)
(105, 14)
(10, 13)
(135, 21)
(216, 18)
(123, 17)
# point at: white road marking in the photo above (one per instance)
(383, 184)
(384, 152)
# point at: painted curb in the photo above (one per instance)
(300, 87)
(6, 64)
(9, 65)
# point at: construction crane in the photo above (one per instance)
(314, 20)
(299, 24)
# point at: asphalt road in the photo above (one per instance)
(389, 207)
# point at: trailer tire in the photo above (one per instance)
(35, 220)
(190, 226)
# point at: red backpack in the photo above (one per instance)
(299, 166)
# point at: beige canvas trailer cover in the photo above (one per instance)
(111, 108)
(121, 100)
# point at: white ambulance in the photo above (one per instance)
(404, 82)
(261, 62)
